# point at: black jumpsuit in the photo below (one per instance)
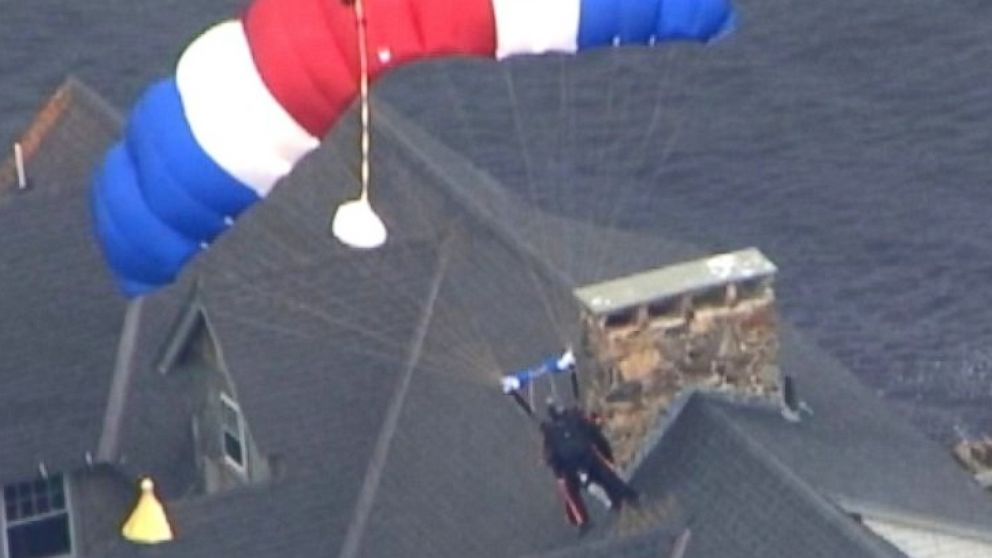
(573, 443)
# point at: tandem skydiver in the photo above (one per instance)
(579, 454)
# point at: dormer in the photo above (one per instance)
(226, 453)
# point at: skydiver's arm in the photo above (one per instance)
(549, 454)
(598, 439)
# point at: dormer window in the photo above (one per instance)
(232, 433)
(36, 519)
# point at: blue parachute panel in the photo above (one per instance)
(695, 19)
(599, 23)
(140, 248)
(159, 197)
(165, 195)
(123, 256)
(604, 22)
(159, 123)
(637, 20)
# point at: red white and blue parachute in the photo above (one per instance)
(251, 97)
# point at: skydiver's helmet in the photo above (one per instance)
(555, 410)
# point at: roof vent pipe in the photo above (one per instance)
(22, 180)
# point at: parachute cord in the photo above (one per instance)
(363, 91)
(530, 393)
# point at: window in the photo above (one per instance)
(36, 519)
(232, 429)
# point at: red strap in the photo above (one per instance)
(574, 510)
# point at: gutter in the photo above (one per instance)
(108, 448)
(913, 520)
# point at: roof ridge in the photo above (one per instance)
(351, 545)
(830, 510)
(67, 95)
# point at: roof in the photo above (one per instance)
(416, 449)
(374, 377)
(318, 354)
(858, 452)
(654, 543)
(55, 296)
(738, 500)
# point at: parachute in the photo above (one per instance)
(251, 97)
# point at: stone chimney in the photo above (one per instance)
(704, 324)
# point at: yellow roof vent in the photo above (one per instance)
(148, 523)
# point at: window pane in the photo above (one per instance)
(11, 510)
(27, 507)
(55, 484)
(40, 539)
(58, 501)
(232, 447)
(40, 486)
(9, 493)
(41, 503)
(229, 417)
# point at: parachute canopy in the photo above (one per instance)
(251, 97)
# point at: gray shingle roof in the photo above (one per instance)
(738, 500)
(60, 324)
(857, 451)
(652, 544)
(319, 340)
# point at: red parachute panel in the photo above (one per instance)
(307, 53)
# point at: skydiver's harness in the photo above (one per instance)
(513, 385)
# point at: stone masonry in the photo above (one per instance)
(642, 353)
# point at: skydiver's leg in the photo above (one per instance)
(618, 490)
(575, 507)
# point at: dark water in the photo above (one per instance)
(862, 139)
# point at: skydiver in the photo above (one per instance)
(574, 445)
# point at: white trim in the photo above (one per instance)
(181, 336)
(536, 26)
(914, 520)
(242, 468)
(231, 112)
(918, 542)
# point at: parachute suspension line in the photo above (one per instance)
(355, 223)
(554, 390)
(530, 394)
(363, 93)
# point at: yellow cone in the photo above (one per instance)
(148, 523)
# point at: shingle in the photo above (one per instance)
(855, 449)
(61, 316)
(652, 544)
(738, 501)
(318, 337)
